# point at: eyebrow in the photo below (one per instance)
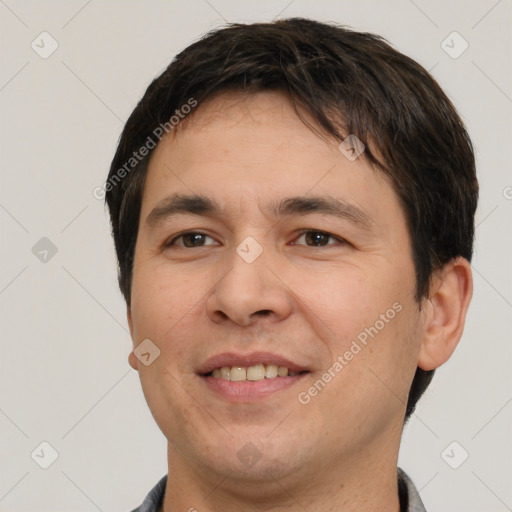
(299, 205)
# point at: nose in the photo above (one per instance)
(249, 292)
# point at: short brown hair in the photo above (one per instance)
(349, 82)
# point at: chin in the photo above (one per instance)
(255, 457)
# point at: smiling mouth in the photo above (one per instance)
(252, 373)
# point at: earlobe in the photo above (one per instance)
(133, 361)
(445, 313)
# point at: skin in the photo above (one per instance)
(305, 301)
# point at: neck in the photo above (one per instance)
(364, 481)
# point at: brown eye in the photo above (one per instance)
(190, 240)
(318, 238)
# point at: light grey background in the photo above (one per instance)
(64, 372)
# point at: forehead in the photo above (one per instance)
(250, 122)
(241, 147)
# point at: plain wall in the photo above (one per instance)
(64, 373)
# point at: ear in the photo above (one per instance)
(444, 313)
(132, 360)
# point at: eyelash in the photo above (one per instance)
(172, 243)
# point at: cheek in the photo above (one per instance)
(368, 317)
(159, 299)
(346, 300)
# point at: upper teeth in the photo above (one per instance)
(257, 372)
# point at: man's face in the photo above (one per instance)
(323, 280)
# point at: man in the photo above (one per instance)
(292, 205)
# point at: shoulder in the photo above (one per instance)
(153, 501)
(410, 500)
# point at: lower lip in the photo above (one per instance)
(248, 391)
